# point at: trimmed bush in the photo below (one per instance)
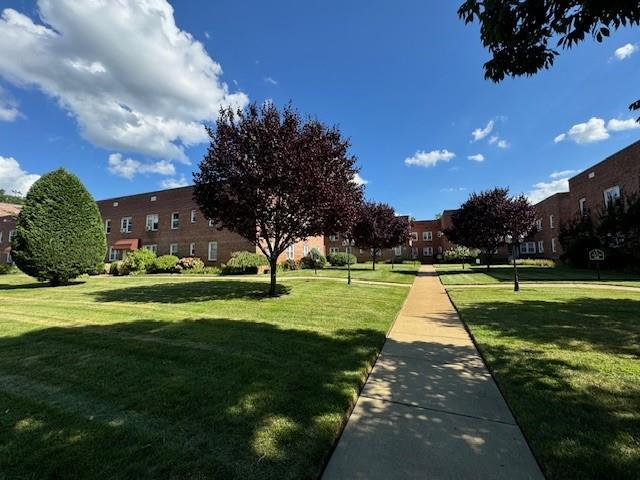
(536, 262)
(190, 263)
(164, 264)
(290, 264)
(244, 263)
(459, 254)
(314, 260)
(340, 259)
(204, 271)
(59, 233)
(138, 260)
(6, 268)
(118, 268)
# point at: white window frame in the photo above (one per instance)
(152, 222)
(173, 249)
(414, 236)
(10, 236)
(291, 252)
(397, 251)
(113, 254)
(194, 212)
(553, 245)
(612, 193)
(212, 251)
(583, 206)
(107, 228)
(126, 225)
(539, 224)
(540, 246)
(427, 251)
(528, 248)
(152, 247)
(427, 236)
(192, 249)
(305, 250)
(175, 220)
(334, 249)
(551, 224)
(333, 237)
(1, 236)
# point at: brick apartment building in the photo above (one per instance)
(169, 222)
(8, 214)
(589, 193)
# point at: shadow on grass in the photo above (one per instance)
(196, 291)
(189, 399)
(582, 421)
(548, 274)
(35, 284)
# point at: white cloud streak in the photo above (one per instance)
(480, 133)
(596, 130)
(478, 157)
(429, 159)
(625, 51)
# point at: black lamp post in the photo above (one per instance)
(348, 244)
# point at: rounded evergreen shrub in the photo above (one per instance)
(244, 263)
(341, 259)
(59, 233)
(313, 260)
(137, 261)
(164, 264)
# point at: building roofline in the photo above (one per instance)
(628, 147)
(145, 193)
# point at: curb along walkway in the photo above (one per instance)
(430, 409)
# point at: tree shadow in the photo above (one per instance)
(188, 399)
(186, 292)
(544, 274)
(36, 284)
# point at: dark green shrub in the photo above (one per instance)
(118, 268)
(164, 264)
(290, 264)
(204, 271)
(340, 259)
(138, 260)
(459, 254)
(6, 268)
(59, 233)
(244, 263)
(190, 263)
(313, 260)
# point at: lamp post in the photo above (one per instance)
(514, 252)
(348, 244)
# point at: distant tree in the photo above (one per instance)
(379, 227)
(59, 233)
(518, 33)
(7, 198)
(520, 219)
(276, 179)
(577, 237)
(481, 222)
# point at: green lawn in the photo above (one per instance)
(180, 377)
(568, 361)
(400, 273)
(454, 274)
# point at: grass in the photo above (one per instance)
(454, 274)
(180, 377)
(401, 273)
(568, 361)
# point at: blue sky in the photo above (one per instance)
(117, 94)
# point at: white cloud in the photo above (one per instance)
(129, 76)
(617, 125)
(625, 51)
(358, 180)
(453, 189)
(429, 159)
(8, 109)
(480, 133)
(593, 130)
(478, 157)
(563, 173)
(174, 182)
(13, 179)
(543, 190)
(271, 80)
(129, 168)
(502, 143)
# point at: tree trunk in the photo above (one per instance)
(273, 266)
(373, 256)
(516, 282)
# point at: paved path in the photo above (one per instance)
(430, 409)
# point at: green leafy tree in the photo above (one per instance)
(59, 233)
(8, 198)
(525, 36)
(577, 237)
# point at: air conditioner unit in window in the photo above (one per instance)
(148, 228)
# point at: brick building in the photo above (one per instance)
(170, 222)
(8, 214)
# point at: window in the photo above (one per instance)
(1, 237)
(439, 249)
(611, 195)
(115, 204)
(551, 225)
(10, 236)
(175, 220)
(193, 216)
(414, 235)
(173, 249)
(305, 250)
(540, 246)
(427, 251)
(291, 251)
(583, 206)
(333, 237)
(427, 236)
(539, 224)
(553, 245)
(397, 251)
(153, 198)
(213, 251)
(592, 174)
(192, 249)
(414, 252)
(126, 225)
(333, 249)
(153, 247)
(152, 222)
(107, 227)
(8, 257)
(113, 254)
(528, 247)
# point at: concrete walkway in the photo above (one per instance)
(430, 409)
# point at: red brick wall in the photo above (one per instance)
(557, 205)
(7, 224)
